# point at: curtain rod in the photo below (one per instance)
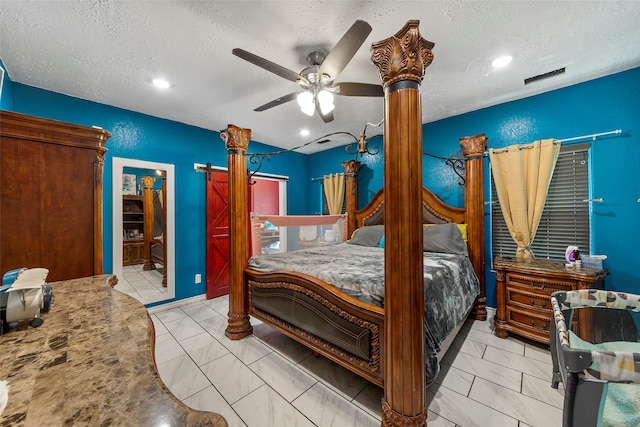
(321, 178)
(593, 136)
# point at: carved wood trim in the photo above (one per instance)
(372, 366)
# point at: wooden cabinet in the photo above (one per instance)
(51, 196)
(524, 294)
(133, 230)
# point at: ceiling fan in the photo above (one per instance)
(317, 80)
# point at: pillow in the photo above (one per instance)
(443, 238)
(461, 227)
(367, 236)
(382, 242)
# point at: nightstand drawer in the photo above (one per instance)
(538, 283)
(531, 300)
(539, 324)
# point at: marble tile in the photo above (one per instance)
(215, 326)
(455, 379)
(486, 369)
(435, 420)
(335, 376)
(158, 326)
(183, 328)
(278, 412)
(199, 311)
(263, 330)
(370, 399)
(285, 378)
(334, 410)
(542, 391)
(538, 352)
(171, 314)
(203, 348)
(464, 411)
(468, 346)
(182, 376)
(512, 403)
(288, 347)
(167, 348)
(523, 364)
(248, 349)
(231, 377)
(220, 305)
(210, 400)
(509, 344)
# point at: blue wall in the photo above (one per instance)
(599, 105)
(142, 137)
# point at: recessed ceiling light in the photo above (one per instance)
(304, 132)
(502, 61)
(162, 84)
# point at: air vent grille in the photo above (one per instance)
(544, 76)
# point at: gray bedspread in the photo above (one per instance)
(450, 284)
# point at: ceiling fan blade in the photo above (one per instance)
(358, 89)
(344, 50)
(269, 66)
(278, 101)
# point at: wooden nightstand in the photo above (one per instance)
(523, 292)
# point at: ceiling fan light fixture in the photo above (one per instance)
(325, 99)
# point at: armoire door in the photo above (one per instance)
(217, 280)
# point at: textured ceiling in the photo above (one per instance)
(108, 52)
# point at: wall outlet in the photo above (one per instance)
(198, 278)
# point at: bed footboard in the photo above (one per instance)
(324, 319)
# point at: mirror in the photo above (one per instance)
(144, 229)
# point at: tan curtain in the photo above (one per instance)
(334, 192)
(522, 174)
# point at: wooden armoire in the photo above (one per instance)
(51, 196)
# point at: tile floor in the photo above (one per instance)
(145, 286)
(267, 379)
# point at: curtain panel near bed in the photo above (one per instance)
(522, 174)
(334, 192)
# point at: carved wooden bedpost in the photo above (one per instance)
(402, 60)
(473, 149)
(351, 169)
(149, 221)
(237, 140)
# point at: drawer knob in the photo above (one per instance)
(531, 284)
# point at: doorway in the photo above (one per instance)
(267, 195)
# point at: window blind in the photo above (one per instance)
(565, 219)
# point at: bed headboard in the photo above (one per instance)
(434, 210)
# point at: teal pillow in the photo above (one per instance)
(382, 241)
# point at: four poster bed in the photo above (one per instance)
(329, 298)
(383, 345)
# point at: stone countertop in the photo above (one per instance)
(549, 268)
(90, 363)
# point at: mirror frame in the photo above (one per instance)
(119, 164)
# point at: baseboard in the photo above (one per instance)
(176, 304)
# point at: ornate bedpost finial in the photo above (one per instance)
(404, 56)
(351, 167)
(148, 181)
(236, 138)
(473, 146)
